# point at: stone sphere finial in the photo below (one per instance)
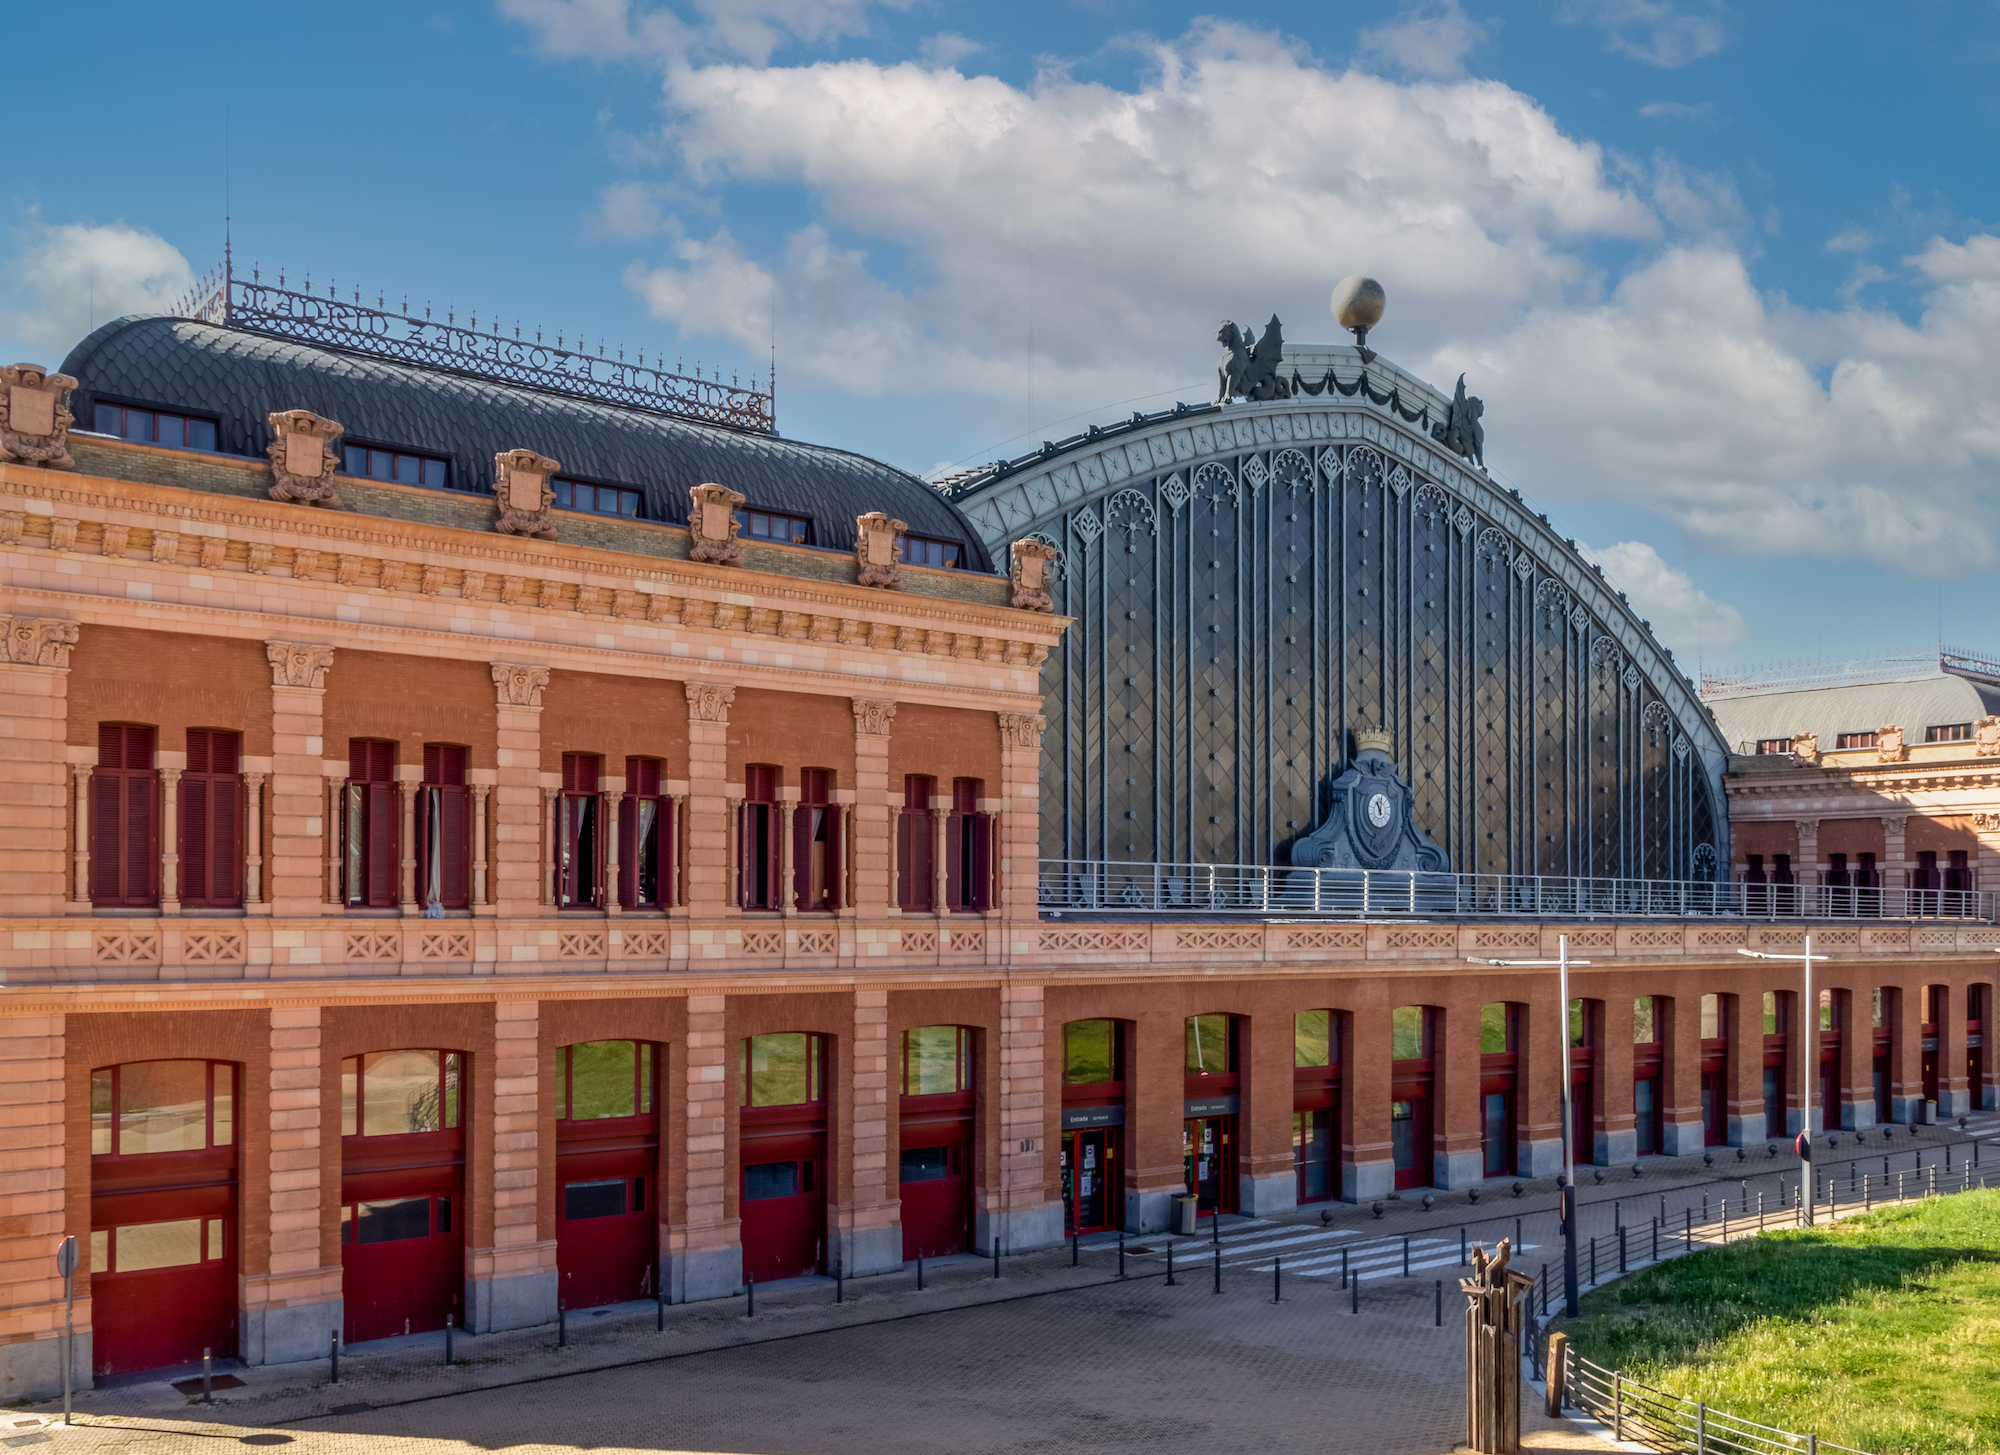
(1357, 305)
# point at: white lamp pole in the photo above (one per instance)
(1810, 1056)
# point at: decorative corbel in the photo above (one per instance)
(303, 460)
(522, 490)
(298, 664)
(878, 550)
(517, 685)
(37, 641)
(35, 417)
(709, 701)
(712, 525)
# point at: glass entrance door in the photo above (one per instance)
(1089, 1179)
(1208, 1149)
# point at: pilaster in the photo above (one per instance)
(707, 815)
(512, 1284)
(1020, 1204)
(517, 789)
(871, 1229)
(34, 710)
(303, 835)
(291, 1305)
(31, 1212)
(1018, 830)
(705, 1258)
(874, 832)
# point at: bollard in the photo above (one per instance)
(562, 1323)
(839, 1285)
(1170, 1261)
(1517, 1232)
(207, 1390)
(1593, 1262)
(1277, 1280)
(1075, 1248)
(447, 1341)
(1215, 1228)
(1354, 1294)
(1218, 1270)
(1121, 1252)
(1618, 1215)
(1760, 1212)
(1557, 1361)
(1704, 1209)
(1725, 1220)
(1437, 1316)
(1867, 1193)
(1406, 1255)
(1621, 1250)
(996, 1255)
(920, 1262)
(333, 1353)
(1545, 1290)
(659, 1312)
(1343, 1268)
(1687, 1233)
(750, 1292)
(1701, 1427)
(1656, 1240)
(1617, 1406)
(1461, 1247)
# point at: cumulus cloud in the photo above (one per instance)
(1655, 32)
(749, 30)
(1686, 618)
(959, 215)
(70, 276)
(1678, 110)
(1426, 41)
(943, 51)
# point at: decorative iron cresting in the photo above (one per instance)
(1241, 620)
(351, 326)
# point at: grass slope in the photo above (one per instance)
(1881, 1332)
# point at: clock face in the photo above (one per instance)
(1379, 810)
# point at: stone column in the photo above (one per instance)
(1460, 1153)
(253, 844)
(1679, 1016)
(940, 869)
(517, 789)
(480, 793)
(1805, 865)
(32, 1197)
(1020, 1204)
(80, 772)
(705, 1256)
(1896, 859)
(336, 778)
(874, 857)
(707, 809)
(172, 765)
(290, 1307)
(1617, 1135)
(1017, 849)
(1155, 1096)
(783, 829)
(512, 1284)
(34, 711)
(614, 798)
(1268, 1169)
(1368, 1166)
(407, 775)
(299, 825)
(1538, 1078)
(551, 834)
(1743, 1073)
(871, 1229)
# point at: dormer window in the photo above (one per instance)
(1948, 732)
(768, 525)
(1850, 742)
(1767, 747)
(595, 499)
(156, 427)
(922, 551)
(398, 465)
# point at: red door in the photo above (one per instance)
(936, 1183)
(401, 1251)
(783, 1203)
(1090, 1179)
(163, 1278)
(605, 1226)
(1410, 1136)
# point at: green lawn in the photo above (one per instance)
(1881, 1332)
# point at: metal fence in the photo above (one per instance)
(1103, 886)
(1663, 1420)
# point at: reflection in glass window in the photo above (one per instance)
(1644, 1031)
(145, 1107)
(1770, 1012)
(926, 1164)
(767, 525)
(404, 469)
(1312, 1038)
(936, 1059)
(394, 1220)
(1711, 1017)
(608, 1078)
(1579, 1026)
(1089, 1053)
(157, 1245)
(764, 1180)
(156, 427)
(1208, 1050)
(1493, 1035)
(602, 1197)
(395, 1093)
(1408, 1033)
(782, 1069)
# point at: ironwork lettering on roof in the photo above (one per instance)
(351, 326)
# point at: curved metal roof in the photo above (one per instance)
(240, 378)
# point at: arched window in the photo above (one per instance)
(395, 1093)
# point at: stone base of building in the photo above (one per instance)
(1366, 1181)
(1539, 1159)
(693, 1277)
(1683, 1139)
(863, 1252)
(1149, 1212)
(1953, 1104)
(1021, 1230)
(1615, 1147)
(1908, 1110)
(1265, 1197)
(1459, 1169)
(520, 1302)
(1746, 1129)
(32, 1369)
(287, 1333)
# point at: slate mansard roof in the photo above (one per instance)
(240, 378)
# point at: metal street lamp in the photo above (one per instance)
(1807, 1070)
(1567, 1203)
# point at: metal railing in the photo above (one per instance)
(1102, 886)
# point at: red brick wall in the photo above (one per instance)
(794, 731)
(945, 743)
(617, 717)
(174, 682)
(413, 701)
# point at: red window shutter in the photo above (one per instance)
(954, 861)
(454, 844)
(628, 845)
(107, 851)
(141, 836)
(194, 827)
(981, 896)
(666, 852)
(642, 777)
(225, 841)
(802, 858)
(834, 879)
(383, 866)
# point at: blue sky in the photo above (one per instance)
(1726, 274)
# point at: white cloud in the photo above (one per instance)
(1426, 42)
(943, 52)
(1686, 618)
(72, 276)
(631, 211)
(1678, 110)
(750, 30)
(1655, 32)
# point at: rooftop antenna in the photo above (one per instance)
(774, 347)
(228, 269)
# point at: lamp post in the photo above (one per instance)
(1810, 1057)
(1567, 1194)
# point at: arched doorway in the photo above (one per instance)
(607, 1171)
(782, 1147)
(934, 1136)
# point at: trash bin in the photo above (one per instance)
(1186, 1211)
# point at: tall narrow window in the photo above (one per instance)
(580, 834)
(444, 831)
(211, 821)
(757, 838)
(124, 817)
(968, 849)
(371, 827)
(645, 838)
(816, 843)
(915, 876)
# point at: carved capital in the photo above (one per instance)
(526, 499)
(1808, 828)
(38, 641)
(298, 664)
(1895, 826)
(303, 460)
(709, 701)
(712, 525)
(35, 417)
(878, 550)
(516, 685)
(1022, 732)
(872, 716)
(1889, 747)
(1034, 561)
